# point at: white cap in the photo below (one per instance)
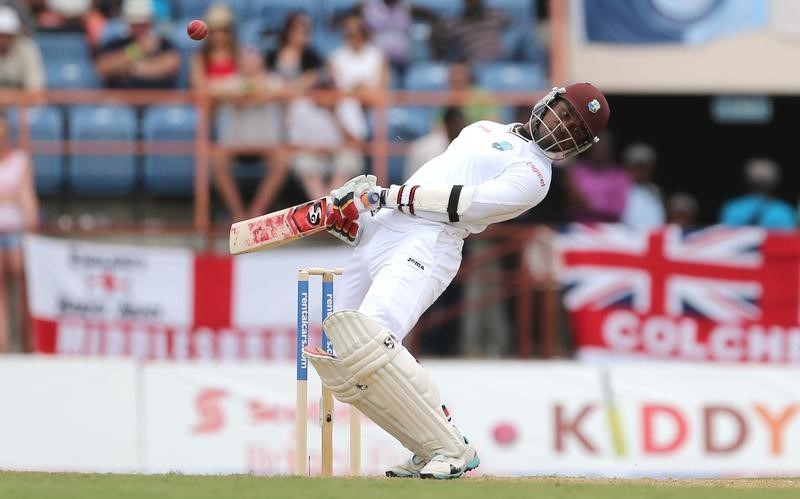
(69, 8)
(639, 153)
(9, 20)
(762, 171)
(138, 11)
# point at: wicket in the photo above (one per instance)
(326, 405)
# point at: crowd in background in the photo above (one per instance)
(131, 48)
(260, 85)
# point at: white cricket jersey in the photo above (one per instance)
(510, 174)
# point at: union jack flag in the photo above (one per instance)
(719, 273)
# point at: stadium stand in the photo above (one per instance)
(46, 124)
(168, 174)
(95, 174)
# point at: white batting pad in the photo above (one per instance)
(392, 388)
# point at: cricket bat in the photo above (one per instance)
(280, 227)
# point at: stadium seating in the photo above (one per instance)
(275, 11)
(405, 125)
(445, 8)
(331, 8)
(509, 76)
(196, 9)
(68, 64)
(168, 174)
(520, 11)
(46, 124)
(73, 72)
(427, 76)
(326, 41)
(102, 175)
(53, 45)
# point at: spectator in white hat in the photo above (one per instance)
(644, 209)
(20, 60)
(140, 58)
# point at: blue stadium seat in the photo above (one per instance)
(510, 76)
(326, 41)
(397, 169)
(520, 11)
(102, 175)
(427, 76)
(169, 174)
(46, 124)
(332, 8)
(445, 8)
(420, 50)
(263, 33)
(71, 72)
(196, 9)
(61, 44)
(405, 124)
(275, 11)
(68, 64)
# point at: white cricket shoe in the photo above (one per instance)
(408, 469)
(444, 467)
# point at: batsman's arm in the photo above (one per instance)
(517, 189)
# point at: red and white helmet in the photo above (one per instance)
(590, 105)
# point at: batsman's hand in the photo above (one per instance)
(344, 227)
(357, 195)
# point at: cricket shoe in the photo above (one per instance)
(444, 467)
(409, 469)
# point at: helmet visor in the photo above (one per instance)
(558, 129)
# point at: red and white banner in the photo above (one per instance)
(721, 294)
(154, 303)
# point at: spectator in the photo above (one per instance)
(140, 58)
(61, 15)
(236, 78)
(478, 104)
(18, 213)
(25, 13)
(682, 210)
(390, 21)
(760, 207)
(435, 143)
(20, 60)
(597, 187)
(294, 61)
(476, 35)
(359, 70)
(83, 16)
(644, 208)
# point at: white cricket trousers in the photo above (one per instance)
(394, 275)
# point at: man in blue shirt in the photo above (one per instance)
(760, 207)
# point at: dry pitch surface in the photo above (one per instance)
(85, 486)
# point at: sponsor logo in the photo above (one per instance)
(415, 263)
(503, 146)
(388, 342)
(538, 173)
(315, 213)
(593, 106)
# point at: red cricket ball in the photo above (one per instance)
(197, 29)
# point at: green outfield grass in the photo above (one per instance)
(85, 486)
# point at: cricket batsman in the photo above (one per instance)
(408, 242)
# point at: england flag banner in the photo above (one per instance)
(719, 294)
(168, 303)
